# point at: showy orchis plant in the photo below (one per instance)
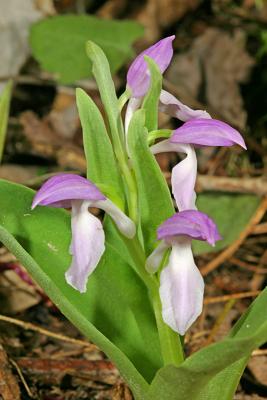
(146, 291)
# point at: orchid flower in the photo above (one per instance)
(88, 238)
(195, 132)
(181, 284)
(138, 81)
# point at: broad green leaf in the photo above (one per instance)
(151, 100)
(58, 43)
(231, 212)
(101, 164)
(4, 112)
(155, 203)
(115, 312)
(101, 72)
(188, 381)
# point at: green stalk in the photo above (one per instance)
(170, 341)
(124, 97)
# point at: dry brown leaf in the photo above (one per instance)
(215, 65)
(18, 173)
(258, 367)
(112, 9)
(19, 295)
(9, 389)
(63, 117)
(246, 9)
(157, 15)
(46, 142)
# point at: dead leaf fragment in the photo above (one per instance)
(214, 67)
(19, 295)
(157, 15)
(9, 389)
(44, 141)
(64, 114)
(258, 367)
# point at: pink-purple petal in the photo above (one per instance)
(138, 74)
(175, 108)
(61, 189)
(181, 288)
(87, 246)
(183, 179)
(192, 223)
(207, 132)
(183, 174)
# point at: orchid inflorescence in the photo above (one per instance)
(180, 283)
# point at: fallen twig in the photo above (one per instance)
(54, 370)
(28, 390)
(259, 352)
(32, 327)
(247, 266)
(219, 320)
(260, 229)
(256, 186)
(226, 297)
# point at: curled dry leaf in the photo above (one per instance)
(157, 15)
(213, 68)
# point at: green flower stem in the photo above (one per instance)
(170, 341)
(131, 187)
(124, 97)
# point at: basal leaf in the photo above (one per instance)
(155, 202)
(40, 240)
(188, 381)
(58, 43)
(231, 212)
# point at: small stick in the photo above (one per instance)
(249, 267)
(28, 390)
(259, 352)
(230, 303)
(215, 183)
(226, 297)
(260, 229)
(230, 250)
(235, 185)
(32, 327)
